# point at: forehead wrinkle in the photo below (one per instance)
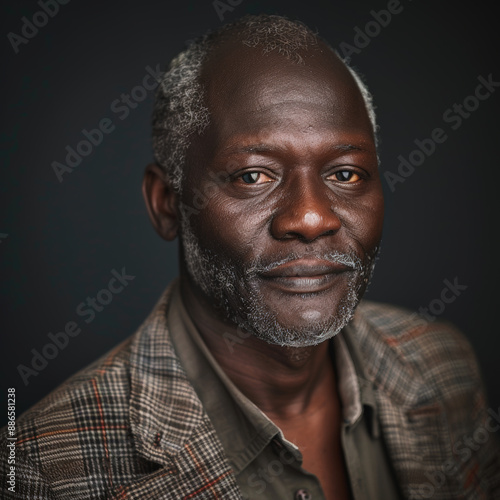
(252, 148)
(271, 148)
(260, 117)
(277, 100)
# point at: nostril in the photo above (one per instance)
(305, 239)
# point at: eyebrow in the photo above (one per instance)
(262, 148)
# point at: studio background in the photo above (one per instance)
(60, 241)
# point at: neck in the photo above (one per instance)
(284, 382)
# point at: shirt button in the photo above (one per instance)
(302, 494)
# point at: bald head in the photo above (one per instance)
(222, 63)
(250, 93)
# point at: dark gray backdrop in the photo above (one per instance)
(59, 241)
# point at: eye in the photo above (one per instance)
(255, 178)
(346, 176)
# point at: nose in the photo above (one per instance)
(305, 212)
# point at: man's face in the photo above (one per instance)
(287, 197)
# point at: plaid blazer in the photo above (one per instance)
(131, 426)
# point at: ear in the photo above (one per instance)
(161, 202)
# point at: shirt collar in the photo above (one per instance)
(355, 391)
(227, 407)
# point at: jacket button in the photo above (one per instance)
(302, 494)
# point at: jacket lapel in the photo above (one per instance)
(169, 424)
(411, 417)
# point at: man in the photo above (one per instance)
(258, 375)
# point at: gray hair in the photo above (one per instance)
(180, 110)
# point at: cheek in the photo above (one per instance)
(377, 216)
(231, 227)
(363, 220)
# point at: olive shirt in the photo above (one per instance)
(266, 465)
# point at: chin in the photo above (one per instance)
(299, 328)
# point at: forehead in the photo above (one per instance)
(249, 92)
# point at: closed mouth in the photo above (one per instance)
(305, 275)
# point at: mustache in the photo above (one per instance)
(349, 259)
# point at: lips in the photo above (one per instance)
(305, 275)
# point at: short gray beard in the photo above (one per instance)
(234, 290)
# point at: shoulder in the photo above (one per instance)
(429, 383)
(102, 389)
(408, 332)
(104, 382)
(99, 430)
(67, 432)
(435, 352)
